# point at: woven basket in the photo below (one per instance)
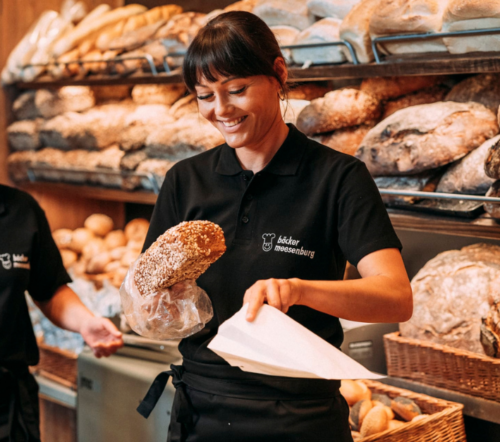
(58, 364)
(442, 366)
(444, 424)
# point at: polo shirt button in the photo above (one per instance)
(245, 177)
(245, 219)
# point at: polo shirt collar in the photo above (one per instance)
(285, 162)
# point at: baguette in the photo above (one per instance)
(183, 252)
(83, 30)
(152, 16)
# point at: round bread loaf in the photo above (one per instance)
(93, 247)
(183, 252)
(137, 229)
(114, 239)
(100, 224)
(80, 238)
(374, 422)
(62, 238)
(338, 109)
(68, 257)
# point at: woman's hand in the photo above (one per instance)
(278, 293)
(101, 336)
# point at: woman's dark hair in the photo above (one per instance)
(233, 44)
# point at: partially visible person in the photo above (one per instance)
(30, 261)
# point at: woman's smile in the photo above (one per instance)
(234, 124)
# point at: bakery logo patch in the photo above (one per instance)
(268, 241)
(17, 261)
(285, 244)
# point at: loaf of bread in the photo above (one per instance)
(375, 421)
(290, 109)
(427, 136)
(243, 5)
(467, 175)
(24, 134)
(24, 107)
(451, 294)
(331, 8)
(424, 96)
(135, 38)
(133, 61)
(307, 91)
(18, 164)
(110, 157)
(491, 208)
(385, 88)
(285, 35)
(183, 252)
(180, 30)
(396, 17)
(157, 167)
(184, 106)
(50, 103)
(140, 123)
(484, 89)
(131, 160)
(355, 29)
(338, 109)
(346, 140)
(464, 15)
(284, 12)
(325, 30)
(166, 94)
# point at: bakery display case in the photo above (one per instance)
(80, 128)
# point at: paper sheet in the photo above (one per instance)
(274, 344)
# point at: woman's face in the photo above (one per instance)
(244, 110)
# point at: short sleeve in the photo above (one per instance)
(165, 210)
(47, 271)
(363, 222)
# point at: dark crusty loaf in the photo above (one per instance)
(484, 89)
(183, 252)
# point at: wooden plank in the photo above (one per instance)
(57, 422)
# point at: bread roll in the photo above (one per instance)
(284, 12)
(98, 263)
(355, 29)
(384, 88)
(68, 258)
(285, 36)
(484, 89)
(24, 135)
(100, 224)
(93, 247)
(166, 94)
(424, 137)
(358, 412)
(352, 391)
(393, 424)
(338, 109)
(374, 422)
(112, 266)
(129, 257)
(406, 408)
(331, 8)
(463, 15)
(115, 239)
(80, 238)
(119, 276)
(325, 30)
(137, 229)
(62, 237)
(117, 253)
(396, 17)
(243, 5)
(135, 244)
(182, 252)
(424, 96)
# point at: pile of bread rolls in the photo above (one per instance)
(373, 413)
(97, 251)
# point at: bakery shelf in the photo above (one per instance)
(415, 64)
(91, 192)
(473, 406)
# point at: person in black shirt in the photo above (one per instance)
(30, 261)
(292, 211)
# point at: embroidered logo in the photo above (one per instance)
(6, 262)
(268, 241)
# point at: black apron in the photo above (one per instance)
(215, 403)
(19, 410)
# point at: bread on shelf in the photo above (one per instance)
(346, 140)
(24, 134)
(284, 12)
(331, 8)
(385, 88)
(483, 88)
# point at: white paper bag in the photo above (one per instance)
(274, 344)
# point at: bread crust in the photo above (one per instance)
(385, 88)
(346, 140)
(183, 252)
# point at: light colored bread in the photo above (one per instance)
(80, 238)
(68, 258)
(115, 93)
(183, 252)
(468, 174)
(243, 5)
(331, 8)
(131, 160)
(114, 239)
(424, 96)
(406, 408)
(93, 247)
(409, 17)
(358, 412)
(117, 253)
(285, 35)
(24, 134)
(394, 423)
(374, 422)
(424, 137)
(463, 15)
(98, 263)
(157, 167)
(352, 391)
(110, 157)
(24, 106)
(135, 38)
(307, 91)
(166, 94)
(135, 244)
(338, 109)
(62, 237)
(346, 140)
(290, 109)
(483, 88)
(325, 30)
(180, 30)
(355, 29)
(137, 229)
(183, 106)
(129, 257)
(152, 16)
(50, 103)
(284, 12)
(18, 164)
(385, 88)
(100, 224)
(112, 266)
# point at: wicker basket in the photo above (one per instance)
(444, 424)
(57, 364)
(443, 366)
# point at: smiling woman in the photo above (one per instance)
(292, 212)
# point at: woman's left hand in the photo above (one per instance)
(278, 293)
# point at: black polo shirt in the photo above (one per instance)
(302, 216)
(29, 261)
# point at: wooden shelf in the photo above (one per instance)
(416, 64)
(91, 192)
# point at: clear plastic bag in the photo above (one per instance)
(173, 313)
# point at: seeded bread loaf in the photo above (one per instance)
(183, 252)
